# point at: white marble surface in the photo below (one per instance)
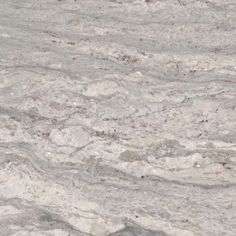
(117, 117)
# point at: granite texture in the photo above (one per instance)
(117, 118)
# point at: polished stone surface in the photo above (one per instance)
(117, 117)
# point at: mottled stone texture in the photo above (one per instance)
(117, 117)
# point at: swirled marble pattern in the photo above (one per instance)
(117, 117)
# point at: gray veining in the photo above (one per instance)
(117, 117)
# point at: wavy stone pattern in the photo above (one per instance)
(117, 117)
